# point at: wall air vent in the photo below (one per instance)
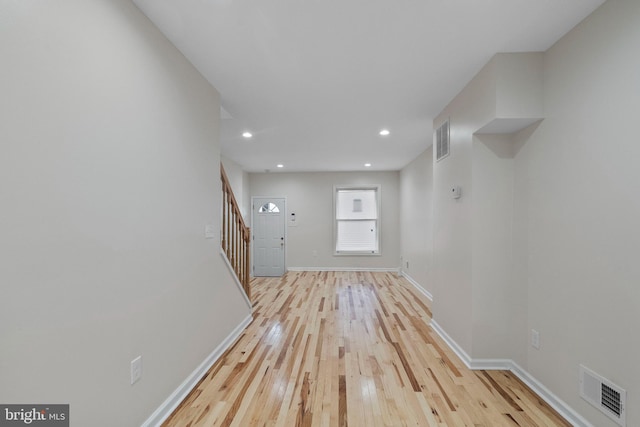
(603, 394)
(442, 141)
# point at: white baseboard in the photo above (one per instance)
(545, 394)
(453, 345)
(235, 278)
(382, 269)
(419, 288)
(552, 400)
(172, 402)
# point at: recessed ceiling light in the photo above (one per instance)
(280, 165)
(384, 132)
(367, 165)
(247, 135)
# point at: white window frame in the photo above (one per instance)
(336, 190)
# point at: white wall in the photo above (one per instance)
(239, 181)
(475, 299)
(498, 304)
(578, 185)
(416, 219)
(546, 234)
(310, 195)
(108, 174)
(453, 219)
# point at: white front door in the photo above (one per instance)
(268, 236)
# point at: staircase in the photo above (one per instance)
(236, 238)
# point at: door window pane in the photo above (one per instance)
(269, 208)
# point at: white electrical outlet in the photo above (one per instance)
(535, 339)
(136, 370)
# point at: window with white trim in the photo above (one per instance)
(357, 220)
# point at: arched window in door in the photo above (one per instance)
(269, 208)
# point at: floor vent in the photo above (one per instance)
(603, 394)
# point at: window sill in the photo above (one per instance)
(355, 253)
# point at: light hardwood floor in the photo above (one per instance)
(351, 349)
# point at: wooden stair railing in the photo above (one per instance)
(236, 239)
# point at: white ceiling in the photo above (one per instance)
(315, 80)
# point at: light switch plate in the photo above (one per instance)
(136, 370)
(535, 339)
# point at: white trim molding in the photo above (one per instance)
(462, 355)
(235, 278)
(419, 288)
(379, 269)
(567, 412)
(552, 400)
(173, 401)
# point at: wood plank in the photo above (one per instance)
(350, 349)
